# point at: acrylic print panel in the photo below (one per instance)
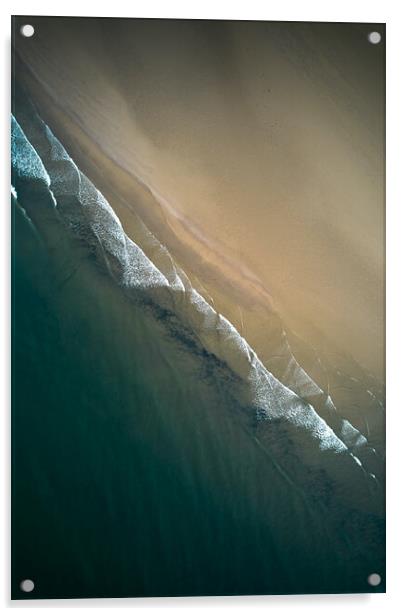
(198, 326)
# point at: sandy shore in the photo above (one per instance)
(247, 248)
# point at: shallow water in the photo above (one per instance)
(154, 454)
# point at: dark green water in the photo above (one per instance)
(134, 471)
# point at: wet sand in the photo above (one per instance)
(267, 189)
